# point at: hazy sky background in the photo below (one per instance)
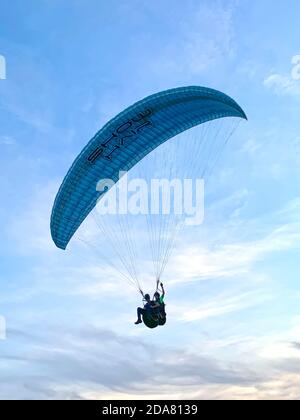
(233, 291)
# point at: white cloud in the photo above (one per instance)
(234, 259)
(283, 85)
(220, 305)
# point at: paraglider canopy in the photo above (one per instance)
(126, 140)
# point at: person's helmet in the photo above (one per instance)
(147, 296)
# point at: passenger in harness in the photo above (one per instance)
(153, 312)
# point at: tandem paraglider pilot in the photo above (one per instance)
(153, 312)
(125, 141)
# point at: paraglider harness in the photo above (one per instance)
(154, 317)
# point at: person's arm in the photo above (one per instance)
(163, 290)
(157, 284)
(157, 289)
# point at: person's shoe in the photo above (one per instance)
(138, 322)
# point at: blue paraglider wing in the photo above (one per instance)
(127, 139)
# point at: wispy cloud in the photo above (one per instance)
(286, 84)
(283, 85)
(219, 306)
(234, 259)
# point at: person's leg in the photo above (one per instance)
(140, 312)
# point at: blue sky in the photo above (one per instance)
(233, 293)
